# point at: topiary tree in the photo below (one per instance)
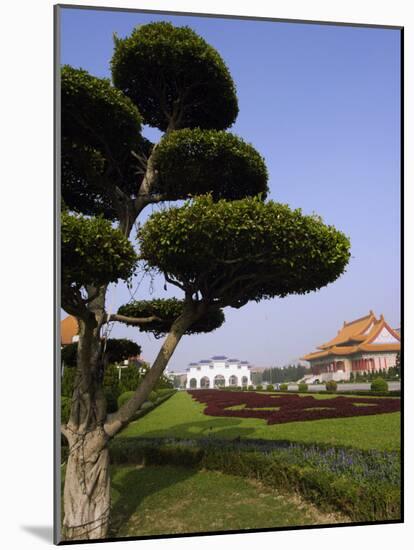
(217, 252)
(114, 350)
(331, 386)
(379, 384)
(302, 387)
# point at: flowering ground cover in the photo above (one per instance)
(279, 409)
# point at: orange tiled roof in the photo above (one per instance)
(68, 329)
(355, 337)
(353, 331)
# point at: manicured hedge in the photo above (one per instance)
(364, 485)
(331, 386)
(379, 384)
(289, 408)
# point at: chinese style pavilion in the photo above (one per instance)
(367, 344)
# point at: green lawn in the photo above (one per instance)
(182, 417)
(167, 499)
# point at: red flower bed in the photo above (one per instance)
(289, 408)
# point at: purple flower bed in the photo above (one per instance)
(289, 408)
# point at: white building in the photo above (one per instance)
(218, 372)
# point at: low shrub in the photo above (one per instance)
(65, 403)
(259, 387)
(283, 387)
(250, 388)
(153, 396)
(270, 387)
(124, 397)
(162, 392)
(303, 387)
(244, 388)
(379, 384)
(331, 386)
(111, 396)
(364, 485)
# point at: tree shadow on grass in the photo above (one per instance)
(134, 484)
(222, 428)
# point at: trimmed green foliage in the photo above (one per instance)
(152, 396)
(93, 253)
(283, 387)
(68, 381)
(167, 310)
(96, 114)
(65, 404)
(303, 387)
(174, 77)
(270, 387)
(196, 162)
(331, 386)
(380, 385)
(236, 251)
(259, 387)
(124, 397)
(116, 350)
(100, 128)
(335, 483)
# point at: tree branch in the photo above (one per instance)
(132, 320)
(118, 420)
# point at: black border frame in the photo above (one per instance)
(57, 270)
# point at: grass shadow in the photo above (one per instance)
(223, 428)
(131, 485)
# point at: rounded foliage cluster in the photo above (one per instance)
(197, 162)
(88, 178)
(283, 387)
(168, 310)
(100, 128)
(93, 253)
(116, 350)
(96, 114)
(124, 397)
(236, 251)
(379, 384)
(331, 386)
(302, 387)
(65, 406)
(175, 78)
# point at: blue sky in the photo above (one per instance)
(322, 105)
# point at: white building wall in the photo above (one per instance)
(218, 368)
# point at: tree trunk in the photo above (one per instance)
(87, 483)
(123, 416)
(87, 487)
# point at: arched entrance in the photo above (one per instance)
(233, 380)
(205, 382)
(219, 381)
(193, 383)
